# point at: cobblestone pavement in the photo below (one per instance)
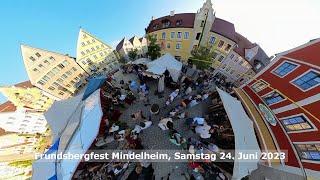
(153, 136)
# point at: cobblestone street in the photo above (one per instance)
(154, 137)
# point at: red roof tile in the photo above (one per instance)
(186, 18)
(243, 43)
(224, 28)
(7, 107)
(25, 84)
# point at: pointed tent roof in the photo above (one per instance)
(120, 45)
(83, 33)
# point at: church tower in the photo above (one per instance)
(202, 24)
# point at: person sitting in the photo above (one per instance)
(195, 121)
(138, 116)
(165, 123)
(177, 139)
(205, 131)
(143, 125)
(120, 135)
(192, 103)
(143, 88)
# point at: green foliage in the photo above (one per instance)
(133, 54)
(153, 48)
(21, 163)
(122, 60)
(200, 55)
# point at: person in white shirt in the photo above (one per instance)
(204, 131)
(143, 125)
(163, 124)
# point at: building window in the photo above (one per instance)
(59, 80)
(220, 58)
(186, 35)
(55, 84)
(35, 70)
(101, 53)
(228, 47)
(163, 35)
(224, 66)
(179, 34)
(238, 75)
(232, 71)
(308, 80)
(69, 72)
(296, 123)
(102, 45)
(32, 58)
(94, 56)
(272, 98)
(74, 69)
(83, 44)
(93, 41)
(214, 55)
(51, 88)
(41, 82)
(46, 78)
(155, 26)
(284, 69)
(232, 55)
(88, 42)
(178, 45)
(220, 43)
(156, 36)
(212, 39)
(46, 62)
(40, 66)
(84, 36)
(88, 51)
(166, 24)
(64, 76)
(61, 66)
(50, 74)
(237, 59)
(82, 53)
(309, 151)
(259, 85)
(228, 69)
(202, 24)
(92, 49)
(179, 22)
(61, 93)
(198, 36)
(83, 62)
(168, 45)
(173, 34)
(97, 47)
(38, 55)
(241, 62)
(65, 63)
(51, 58)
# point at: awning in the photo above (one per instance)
(155, 71)
(143, 61)
(245, 138)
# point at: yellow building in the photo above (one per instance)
(179, 34)
(54, 73)
(25, 95)
(95, 56)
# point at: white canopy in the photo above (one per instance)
(245, 138)
(143, 61)
(78, 134)
(58, 115)
(168, 62)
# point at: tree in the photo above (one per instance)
(133, 54)
(122, 60)
(25, 163)
(153, 48)
(201, 57)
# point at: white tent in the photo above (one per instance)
(168, 62)
(143, 61)
(245, 138)
(64, 109)
(79, 132)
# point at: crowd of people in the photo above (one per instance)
(213, 129)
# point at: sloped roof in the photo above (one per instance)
(132, 39)
(25, 84)
(120, 45)
(186, 18)
(243, 43)
(224, 28)
(4, 132)
(7, 107)
(140, 39)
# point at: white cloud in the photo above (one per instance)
(114, 44)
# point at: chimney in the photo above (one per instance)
(172, 13)
(152, 18)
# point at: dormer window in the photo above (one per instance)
(155, 26)
(165, 23)
(179, 22)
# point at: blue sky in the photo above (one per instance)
(54, 25)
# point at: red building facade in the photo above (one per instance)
(286, 96)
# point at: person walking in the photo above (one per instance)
(133, 85)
